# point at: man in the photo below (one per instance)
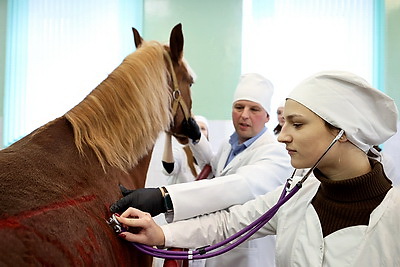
(250, 164)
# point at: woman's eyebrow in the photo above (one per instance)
(292, 116)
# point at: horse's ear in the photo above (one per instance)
(136, 36)
(176, 43)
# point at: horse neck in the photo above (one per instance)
(138, 174)
(122, 118)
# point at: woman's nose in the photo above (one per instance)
(283, 136)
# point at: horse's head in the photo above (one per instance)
(181, 79)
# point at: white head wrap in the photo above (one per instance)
(346, 101)
(201, 119)
(255, 88)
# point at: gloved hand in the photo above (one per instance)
(191, 129)
(145, 199)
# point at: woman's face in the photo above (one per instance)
(203, 128)
(306, 136)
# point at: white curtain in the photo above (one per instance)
(57, 52)
(288, 40)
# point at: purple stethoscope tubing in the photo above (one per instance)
(245, 233)
(201, 253)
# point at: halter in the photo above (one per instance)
(176, 94)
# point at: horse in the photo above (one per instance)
(58, 182)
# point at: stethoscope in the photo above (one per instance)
(241, 236)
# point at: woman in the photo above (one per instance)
(281, 119)
(347, 215)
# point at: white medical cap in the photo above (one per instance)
(346, 101)
(256, 88)
(202, 119)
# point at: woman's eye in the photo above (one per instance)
(297, 125)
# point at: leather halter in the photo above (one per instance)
(176, 94)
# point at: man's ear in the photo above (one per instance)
(267, 118)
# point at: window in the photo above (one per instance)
(288, 40)
(57, 52)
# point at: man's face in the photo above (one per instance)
(248, 118)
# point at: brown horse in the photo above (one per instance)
(57, 183)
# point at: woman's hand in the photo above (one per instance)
(145, 231)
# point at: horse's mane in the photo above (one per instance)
(123, 116)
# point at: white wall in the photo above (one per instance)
(1, 132)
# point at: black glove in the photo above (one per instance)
(191, 129)
(145, 199)
(168, 166)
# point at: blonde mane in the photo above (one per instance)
(123, 116)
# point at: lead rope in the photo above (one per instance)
(190, 160)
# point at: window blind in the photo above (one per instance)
(288, 40)
(57, 52)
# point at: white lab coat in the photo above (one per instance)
(299, 239)
(260, 168)
(181, 172)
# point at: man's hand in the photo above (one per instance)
(191, 129)
(146, 199)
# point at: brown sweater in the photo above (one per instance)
(341, 204)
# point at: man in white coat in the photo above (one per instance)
(251, 163)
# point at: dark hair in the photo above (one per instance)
(277, 129)
(331, 127)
